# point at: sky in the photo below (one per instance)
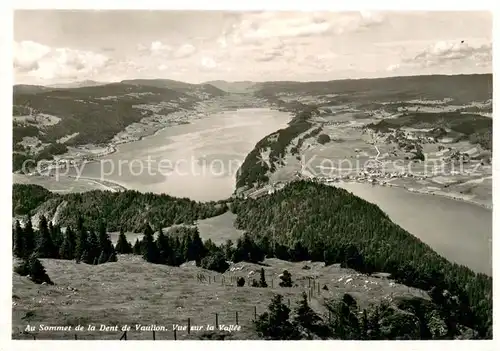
(58, 46)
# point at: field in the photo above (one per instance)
(219, 229)
(132, 291)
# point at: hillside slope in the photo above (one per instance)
(128, 210)
(327, 223)
(52, 118)
(132, 292)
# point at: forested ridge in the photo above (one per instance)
(324, 223)
(128, 210)
(253, 171)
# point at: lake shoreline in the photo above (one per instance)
(449, 196)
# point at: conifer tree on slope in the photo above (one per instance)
(307, 322)
(18, 240)
(275, 324)
(81, 241)
(186, 248)
(122, 245)
(228, 249)
(197, 249)
(177, 249)
(149, 249)
(93, 248)
(29, 238)
(45, 246)
(105, 243)
(67, 249)
(37, 271)
(164, 249)
(137, 250)
(57, 237)
(262, 282)
(72, 240)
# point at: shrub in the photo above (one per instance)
(286, 279)
(215, 262)
(323, 139)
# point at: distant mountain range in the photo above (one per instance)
(154, 83)
(33, 89)
(233, 87)
(84, 83)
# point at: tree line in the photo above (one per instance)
(182, 244)
(127, 210)
(87, 245)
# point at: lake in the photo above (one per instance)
(197, 160)
(457, 230)
(200, 161)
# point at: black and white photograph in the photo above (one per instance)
(251, 175)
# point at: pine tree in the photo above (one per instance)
(81, 241)
(149, 249)
(37, 271)
(105, 243)
(29, 238)
(57, 237)
(122, 245)
(344, 321)
(228, 249)
(137, 247)
(72, 240)
(186, 248)
(51, 229)
(178, 252)
(238, 253)
(67, 249)
(164, 249)
(45, 247)
(262, 282)
(308, 322)
(286, 279)
(94, 249)
(275, 324)
(18, 240)
(197, 249)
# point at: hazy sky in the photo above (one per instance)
(61, 46)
